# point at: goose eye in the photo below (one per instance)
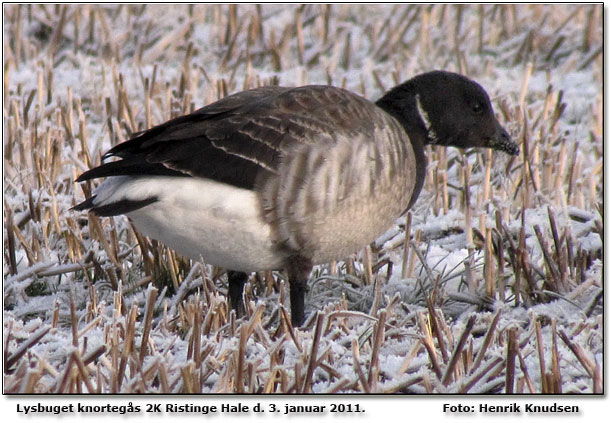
(477, 108)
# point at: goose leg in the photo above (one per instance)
(237, 280)
(299, 269)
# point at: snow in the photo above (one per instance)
(90, 74)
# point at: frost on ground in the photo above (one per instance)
(498, 290)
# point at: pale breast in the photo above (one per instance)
(330, 200)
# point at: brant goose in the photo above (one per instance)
(285, 178)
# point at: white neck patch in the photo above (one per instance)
(424, 116)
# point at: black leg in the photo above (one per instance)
(299, 270)
(236, 287)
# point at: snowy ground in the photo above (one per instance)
(514, 311)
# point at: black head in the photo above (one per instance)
(451, 109)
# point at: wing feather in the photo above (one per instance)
(244, 136)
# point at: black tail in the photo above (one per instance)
(113, 209)
(85, 205)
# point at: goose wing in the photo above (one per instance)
(242, 136)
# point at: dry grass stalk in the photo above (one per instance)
(451, 368)
(427, 341)
(10, 361)
(556, 376)
(241, 353)
(512, 351)
(545, 388)
(357, 366)
(83, 372)
(556, 171)
(65, 380)
(127, 343)
(471, 282)
(549, 262)
(490, 332)
(436, 327)
(313, 354)
(590, 366)
(491, 368)
(378, 339)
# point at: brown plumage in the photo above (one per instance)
(280, 177)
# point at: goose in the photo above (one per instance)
(289, 177)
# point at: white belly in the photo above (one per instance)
(200, 219)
